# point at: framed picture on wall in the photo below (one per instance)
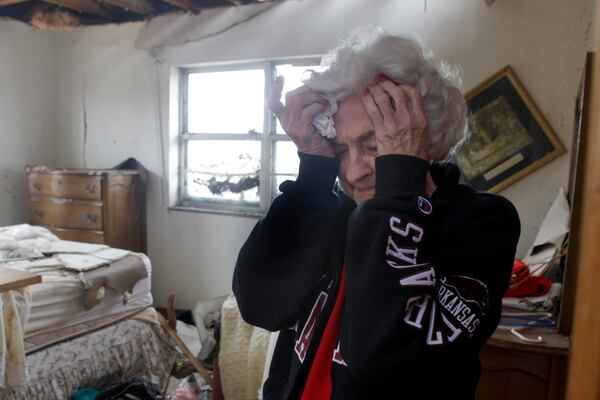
(510, 137)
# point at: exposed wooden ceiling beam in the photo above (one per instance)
(188, 5)
(143, 7)
(11, 2)
(91, 7)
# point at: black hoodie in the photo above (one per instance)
(424, 279)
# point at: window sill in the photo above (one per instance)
(203, 210)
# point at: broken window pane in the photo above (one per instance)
(224, 170)
(226, 101)
(293, 75)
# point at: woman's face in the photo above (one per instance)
(356, 148)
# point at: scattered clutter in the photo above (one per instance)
(523, 284)
(535, 289)
(180, 385)
(234, 352)
(543, 258)
(129, 389)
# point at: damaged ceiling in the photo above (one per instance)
(62, 14)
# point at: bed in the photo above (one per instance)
(88, 323)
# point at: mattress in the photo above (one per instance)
(58, 301)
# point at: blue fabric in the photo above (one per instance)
(85, 393)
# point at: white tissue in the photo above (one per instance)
(324, 121)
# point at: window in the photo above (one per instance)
(233, 153)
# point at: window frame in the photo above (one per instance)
(268, 140)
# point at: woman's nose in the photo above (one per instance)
(359, 167)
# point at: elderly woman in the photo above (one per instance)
(389, 287)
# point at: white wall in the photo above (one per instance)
(125, 93)
(114, 86)
(27, 112)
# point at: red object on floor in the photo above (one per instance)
(520, 271)
(318, 384)
(522, 284)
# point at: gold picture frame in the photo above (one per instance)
(509, 136)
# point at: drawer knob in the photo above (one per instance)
(90, 188)
(37, 186)
(39, 213)
(92, 217)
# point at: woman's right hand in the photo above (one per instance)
(302, 105)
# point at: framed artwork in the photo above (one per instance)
(510, 137)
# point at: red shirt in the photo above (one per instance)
(318, 384)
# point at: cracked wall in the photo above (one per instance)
(27, 112)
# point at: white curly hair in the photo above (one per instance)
(367, 52)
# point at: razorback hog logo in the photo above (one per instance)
(465, 299)
(309, 327)
(457, 311)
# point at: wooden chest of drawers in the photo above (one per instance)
(515, 370)
(96, 206)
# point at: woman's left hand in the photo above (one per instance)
(397, 114)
